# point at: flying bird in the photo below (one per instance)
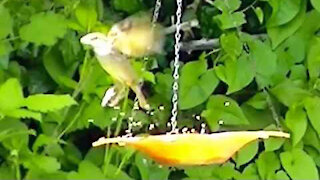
(137, 36)
(118, 67)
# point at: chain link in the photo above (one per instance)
(175, 86)
(136, 103)
(156, 12)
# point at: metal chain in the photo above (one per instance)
(136, 104)
(156, 12)
(175, 86)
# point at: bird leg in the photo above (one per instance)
(142, 100)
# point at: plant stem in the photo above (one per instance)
(72, 121)
(83, 77)
(85, 73)
(123, 109)
(108, 150)
(272, 109)
(250, 6)
(17, 168)
(10, 39)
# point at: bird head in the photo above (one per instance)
(99, 42)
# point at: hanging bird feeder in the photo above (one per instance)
(189, 148)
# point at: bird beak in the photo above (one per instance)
(84, 40)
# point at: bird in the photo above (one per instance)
(118, 66)
(137, 36)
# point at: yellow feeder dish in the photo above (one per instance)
(191, 149)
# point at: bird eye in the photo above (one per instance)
(94, 38)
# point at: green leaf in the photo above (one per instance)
(24, 113)
(70, 48)
(227, 6)
(298, 73)
(312, 105)
(296, 121)
(228, 21)
(36, 174)
(129, 6)
(259, 14)
(5, 48)
(14, 135)
(163, 85)
(72, 154)
(231, 44)
(291, 51)
(116, 173)
(95, 82)
(232, 73)
(48, 102)
(149, 76)
(140, 68)
(265, 60)
(283, 11)
(311, 138)
(99, 116)
(44, 29)
(267, 164)
(11, 96)
(142, 164)
(201, 173)
(45, 163)
(222, 108)
(246, 153)
(249, 173)
(5, 22)
(280, 175)
(87, 170)
(279, 33)
(313, 58)
(86, 16)
(316, 4)
(309, 27)
(42, 140)
(39, 81)
(196, 84)
(7, 172)
(59, 72)
(95, 155)
(150, 170)
(4, 61)
(299, 165)
(258, 119)
(258, 101)
(273, 144)
(225, 171)
(289, 94)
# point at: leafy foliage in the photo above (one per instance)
(44, 28)
(260, 70)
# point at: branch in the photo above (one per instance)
(184, 26)
(208, 44)
(202, 44)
